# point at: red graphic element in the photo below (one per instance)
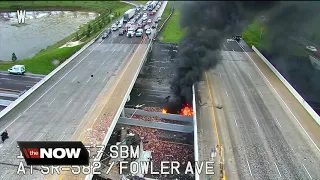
(31, 153)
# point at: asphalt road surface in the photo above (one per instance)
(12, 86)
(257, 131)
(55, 110)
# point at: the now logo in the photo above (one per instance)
(58, 153)
(21, 15)
(54, 153)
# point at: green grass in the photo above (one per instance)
(42, 62)
(19, 25)
(141, 2)
(252, 35)
(171, 31)
(165, 14)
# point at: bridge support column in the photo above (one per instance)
(128, 98)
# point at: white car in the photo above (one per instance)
(311, 48)
(130, 32)
(149, 21)
(17, 69)
(120, 25)
(114, 27)
(148, 31)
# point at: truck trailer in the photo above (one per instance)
(128, 15)
(152, 5)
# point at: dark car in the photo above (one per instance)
(121, 32)
(144, 23)
(117, 22)
(237, 38)
(106, 33)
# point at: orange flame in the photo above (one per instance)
(164, 111)
(186, 111)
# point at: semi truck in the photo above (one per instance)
(128, 15)
(152, 5)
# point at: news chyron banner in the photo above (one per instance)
(54, 152)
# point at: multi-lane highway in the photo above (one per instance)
(261, 135)
(12, 86)
(56, 110)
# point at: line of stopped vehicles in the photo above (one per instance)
(136, 21)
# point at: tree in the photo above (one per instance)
(89, 30)
(77, 36)
(14, 57)
(100, 24)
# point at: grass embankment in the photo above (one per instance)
(171, 32)
(42, 62)
(252, 37)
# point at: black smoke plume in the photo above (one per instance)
(207, 24)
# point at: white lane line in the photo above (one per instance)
(104, 79)
(88, 79)
(277, 169)
(16, 138)
(249, 75)
(227, 93)
(87, 103)
(278, 122)
(74, 78)
(243, 93)
(90, 62)
(232, 49)
(69, 103)
(113, 50)
(249, 168)
(12, 122)
(61, 78)
(256, 121)
(235, 75)
(307, 171)
(235, 120)
(260, 93)
(103, 62)
(121, 41)
(63, 135)
(225, 47)
(281, 99)
(51, 102)
(40, 137)
(219, 74)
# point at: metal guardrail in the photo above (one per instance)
(165, 21)
(299, 98)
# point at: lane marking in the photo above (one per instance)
(261, 94)
(75, 78)
(69, 103)
(256, 121)
(278, 122)
(243, 94)
(235, 120)
(39, 136)
(219, 74)
(61, 78)
(51, 102)
(215, 121)
(90, 62)
(88, 79)
(281, 99)
(307, 171)
(233, 50)
(235, 75)
(103, 62)
(249, 167)
(227, 93)
(11, 122)
(87, 103)
(63, 135)
(277, 169)
(249, 75)
(104, 79)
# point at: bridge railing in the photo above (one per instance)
(299, 98)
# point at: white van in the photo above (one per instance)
(17, 69)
